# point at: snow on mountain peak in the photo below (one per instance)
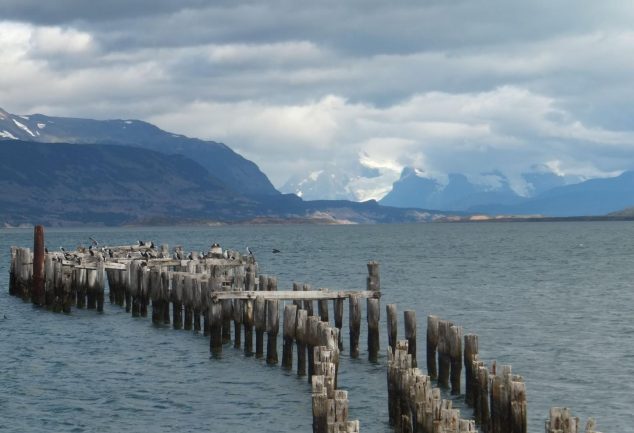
(23, 127)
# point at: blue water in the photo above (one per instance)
(555, 300)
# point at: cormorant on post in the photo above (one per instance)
(46, 250)
(152, 244)
(110, 253)
(141, 243)
(249, 251)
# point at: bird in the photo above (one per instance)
(62, 249)
(225, 254)
(92, 253)
(190, 256)
(152, 244)
(275, 251)
(249, 251)
(141, 243)
(94, 242)
(110, 253)
(46, 250)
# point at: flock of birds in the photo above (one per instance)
(145, 250)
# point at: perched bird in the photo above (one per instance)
(141, 243)
(94, 242)
(110, 253)
(92, 253)
(249, 251)
(152, 244)
(62, 249)
(275, 251)
(225, 254)
(46, 250)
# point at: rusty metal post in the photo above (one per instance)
(38, 294)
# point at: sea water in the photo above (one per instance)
(554, 300)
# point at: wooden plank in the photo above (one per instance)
(289, 295)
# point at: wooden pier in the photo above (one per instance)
(206, 292)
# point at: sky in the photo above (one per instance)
(364, 87)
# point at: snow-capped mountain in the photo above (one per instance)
(222, 162)
(326, 184)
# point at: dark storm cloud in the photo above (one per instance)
(505, 84)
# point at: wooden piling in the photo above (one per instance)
(470, 353)
(355, 325)
(373, 313)
(338, 312)
(432, 345)
(290, 324)
(38, 294)
(444, 360)
(215, 327)
(308, 304)
(272, 329)
(409, 318)
(247, 320)
(455, 356)
(259, 314)
(300, 337)
(390, 311)
(238, 313)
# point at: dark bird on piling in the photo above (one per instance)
(92, 253)
(110, 253)
(94, 242)
(249, 251)
(46, 250)
(190, 257)
(275, 251)
(62, 249)
(141, 243)
(152, 244)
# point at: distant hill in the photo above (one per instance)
(592, 197)
(76, 184)
(225, 164)
(623, 213)
(109, 184)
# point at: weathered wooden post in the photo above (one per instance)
(290, 323)
(355, 325)
(455, 354)
(409, 317)
(188, 294)
(308, 303)
(177, 302)
(272, 329)
(518, 407)
(470, 353)
(38, 294)
(390, 310)
(300, 338)
(247, 320)
(101, 266)
(444, 360)
(259, 313)
(166, 294)
(322, 310)
(432, 344)
(373, 313)
(373, 284)
(312, 335)
(237, 322)
(338, 311)
(215, 327)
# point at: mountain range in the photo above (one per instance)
(69, 171)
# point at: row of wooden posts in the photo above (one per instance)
(497, 397)
(217, 290)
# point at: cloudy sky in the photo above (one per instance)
(446, 86)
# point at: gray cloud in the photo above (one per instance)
(295, 85)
